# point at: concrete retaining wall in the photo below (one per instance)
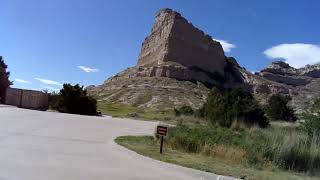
(27, 99)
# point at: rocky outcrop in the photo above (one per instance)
(174, 39)
(310, 71)
(302, 84)
(281, 68)
(177, 72)
(283, 73)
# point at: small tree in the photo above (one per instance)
(233, 106)
(73, 99)
(4, 79)
(184, 110)
(214, 108)
(277, 109)
(54, 100)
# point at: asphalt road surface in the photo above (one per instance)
(54, 146)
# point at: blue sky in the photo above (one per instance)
(50, 42)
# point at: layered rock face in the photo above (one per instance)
(174, 39)
(302, 84)
(281, 72)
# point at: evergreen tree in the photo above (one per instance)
(214, 107)
(233, 106)
(277, 109)
(73, 99)
(4, 79)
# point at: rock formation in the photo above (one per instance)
(302, 84)
(174, 39)
(178, 64)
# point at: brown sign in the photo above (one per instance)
(162, 130)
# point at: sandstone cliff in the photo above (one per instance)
(174, 39)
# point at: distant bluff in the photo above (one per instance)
(178, 64)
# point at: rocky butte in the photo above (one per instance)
(179, 63)
(174, 39)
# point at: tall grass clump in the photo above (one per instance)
(192, 139)
(288, 148)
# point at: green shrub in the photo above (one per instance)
(315, 108)
(214, 107)
(54, 99)
(73, 99)
(312, 125)
(192, 139)
(184, 110)
(277, 109)
(233, 106)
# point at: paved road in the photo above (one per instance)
(53, 146)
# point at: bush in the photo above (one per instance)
(54, 99)
(234, 106)
(277, 109)
(73, 99)
(312, 125)
(184, 110)
(315, 108)
(192, 139)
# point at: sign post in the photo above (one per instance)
(162, 131)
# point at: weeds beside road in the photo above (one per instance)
(273, 153)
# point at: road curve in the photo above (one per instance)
(54, 146)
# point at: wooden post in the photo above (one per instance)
(161, 144)
(162, 131)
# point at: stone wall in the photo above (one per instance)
(27, 99)
(174, 39)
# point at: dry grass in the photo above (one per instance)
(229, 154)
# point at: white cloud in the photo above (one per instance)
(225, 45)
(22, 81)
(47, 81)
(88, 69)
(297, 55)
